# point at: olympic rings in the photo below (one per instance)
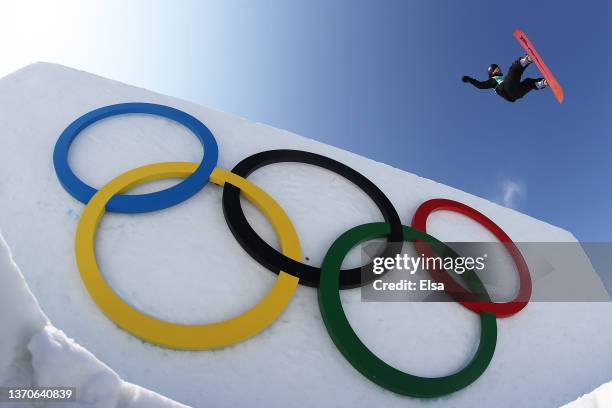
(144, 202)
(270, 257)
(329, 278)
(180, 336)
(360, 356)
(467, 299)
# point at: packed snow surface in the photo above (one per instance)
(182, 264)
(599, 398)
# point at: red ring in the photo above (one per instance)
(454, 289)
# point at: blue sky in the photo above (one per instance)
(381, 79)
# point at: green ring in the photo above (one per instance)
(360, 356)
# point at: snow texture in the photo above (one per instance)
(600, 398)
(34, 353)
(183, 264)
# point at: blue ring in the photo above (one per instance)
(142, 202)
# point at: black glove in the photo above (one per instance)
(465, 78)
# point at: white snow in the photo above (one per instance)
(34, 353)
(183, 264)
(599, 398)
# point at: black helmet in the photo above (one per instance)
(491, 69)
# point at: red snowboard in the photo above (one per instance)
(539, 62)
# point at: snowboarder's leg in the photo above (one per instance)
(528, 85)
(516, 71)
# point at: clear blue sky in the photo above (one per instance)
(379, 78)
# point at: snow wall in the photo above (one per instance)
(182, 264)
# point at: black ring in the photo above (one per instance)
(274, 260)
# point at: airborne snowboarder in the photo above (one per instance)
(509, 87)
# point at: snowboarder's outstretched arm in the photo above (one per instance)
(488, 84)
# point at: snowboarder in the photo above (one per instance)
(509, 87)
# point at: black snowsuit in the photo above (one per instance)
(512, 88)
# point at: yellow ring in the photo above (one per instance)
(173, 335)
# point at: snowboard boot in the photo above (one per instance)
(541, 83)
(526, 60)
